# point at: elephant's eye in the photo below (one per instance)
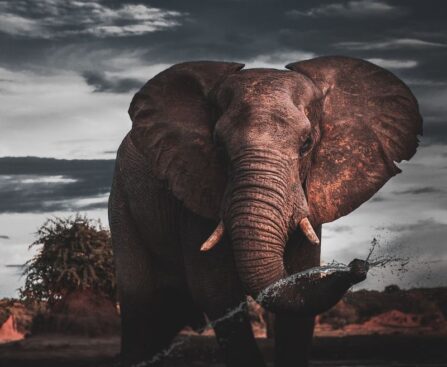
(305, 148)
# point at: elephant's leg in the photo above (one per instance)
(293, 339)
(293, 333)
(216, 290)
(235, 337)
(150, 326)
(148, 318)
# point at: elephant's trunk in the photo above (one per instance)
(262, 207)
(257, 218)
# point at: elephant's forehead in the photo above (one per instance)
(257, 82)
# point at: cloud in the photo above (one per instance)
(433, 100)
(18, 26)
(419, 191)
(350, 9)
(47, 180)
(433, 109)
(378, 198)
(340, 228)
(278, 59)
(53, 19)
(426, 82)
(416, 227)
(55, 113)
(32, 184)
(396, 43)
(394, 64)
(4, 237)
(104, 83)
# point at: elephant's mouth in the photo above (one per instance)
(218, 233)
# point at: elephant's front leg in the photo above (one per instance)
(149, 315)
(293, 339)
(216, 289)
(293, 333)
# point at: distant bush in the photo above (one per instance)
(76, 255)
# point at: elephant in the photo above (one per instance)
(221, 188)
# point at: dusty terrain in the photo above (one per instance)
(373, 350)
(367, 328)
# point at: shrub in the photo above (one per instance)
(76, 254)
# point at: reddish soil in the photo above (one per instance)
(8, 331)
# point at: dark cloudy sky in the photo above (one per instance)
(68, 70)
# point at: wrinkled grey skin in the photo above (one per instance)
(260, 149)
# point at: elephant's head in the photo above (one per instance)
(263, 149)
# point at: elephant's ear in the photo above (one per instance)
(172, 126)
(369, 121)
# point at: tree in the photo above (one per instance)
(76, 255)
(73, 276)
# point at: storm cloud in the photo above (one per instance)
(32, 184)
(351, 9)
(115, 46)
(419, 226)
(52, 19)
(420, 191)
(102, 83)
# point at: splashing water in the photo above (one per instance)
(319, 271)
(385, 260)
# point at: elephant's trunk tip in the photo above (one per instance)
(214, 239)
(308, 230)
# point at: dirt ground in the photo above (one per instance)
(378, 351)
(368, 328)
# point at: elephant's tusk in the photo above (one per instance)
(307, 229)
(215, 237)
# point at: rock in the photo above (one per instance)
(15, 320)
(9, 332)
